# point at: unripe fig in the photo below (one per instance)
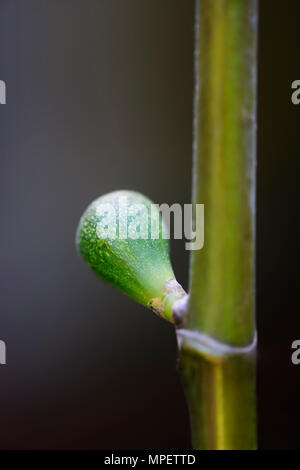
(120, 236)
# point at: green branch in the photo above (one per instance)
(220, 389)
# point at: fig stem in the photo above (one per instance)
(220, 387)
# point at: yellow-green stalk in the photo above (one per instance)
(217, 355)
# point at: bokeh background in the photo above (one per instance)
(99, 97)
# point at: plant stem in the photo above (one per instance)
(220, 392)
(220, 381)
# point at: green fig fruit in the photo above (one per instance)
(120, 236)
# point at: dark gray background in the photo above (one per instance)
(99, 97)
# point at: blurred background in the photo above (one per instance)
(99, 97)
